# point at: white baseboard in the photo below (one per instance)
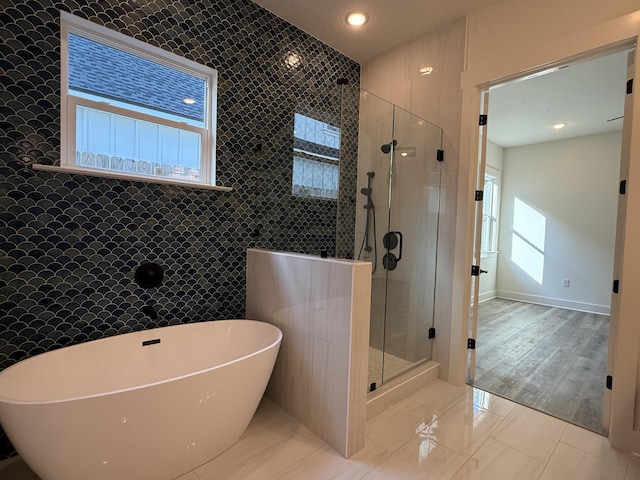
(483, 297)
(555, 302)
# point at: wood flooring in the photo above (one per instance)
(550, 359)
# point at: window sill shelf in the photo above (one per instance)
(133, 178)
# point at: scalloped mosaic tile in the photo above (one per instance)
(69, 244)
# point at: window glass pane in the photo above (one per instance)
(104, 73)
(486, 241)
(490, 208)
(314, 178)
(132, 145)
(316, 138)
(316, 147)
(488, 195)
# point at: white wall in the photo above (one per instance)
(394, 76)
(573, 186)
(495, 157)
(512, 27)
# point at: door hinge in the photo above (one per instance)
(372, 387)
(623, 187)
(440, 155)
(483, 120)
(609, 382)
(479, 195)
(432, 333)
(630, 86)
(471, 343)
(616, 286)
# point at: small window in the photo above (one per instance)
(134, 109)
(316, 153)
(490, 209)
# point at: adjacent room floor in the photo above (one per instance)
(550, 359)
(441, 432)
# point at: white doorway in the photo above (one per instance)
(549, 236)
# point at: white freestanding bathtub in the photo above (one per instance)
(147, 405)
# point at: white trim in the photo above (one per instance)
(124, 176)
(486, 296)
(97, 100)
(554, 302)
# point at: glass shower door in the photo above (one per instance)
(397, 231)
(372, 215)
(410, 242)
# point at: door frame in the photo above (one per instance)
(477, 235)
(590, 42)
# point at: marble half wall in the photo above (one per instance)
(322, 307)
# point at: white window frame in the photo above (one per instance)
(71, 24)
(493, 217)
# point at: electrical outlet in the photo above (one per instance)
(565, 282)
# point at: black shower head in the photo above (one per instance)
(371, 174)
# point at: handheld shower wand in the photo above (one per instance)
(371, 214)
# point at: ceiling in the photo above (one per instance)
(587, 96)
(583, 95)
(391, 22)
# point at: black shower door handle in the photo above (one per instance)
(400, 246)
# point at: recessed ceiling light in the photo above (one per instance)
(427, 70)
(357, 19)
(558, 126)
(189, 100)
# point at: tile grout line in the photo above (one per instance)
(558, 442)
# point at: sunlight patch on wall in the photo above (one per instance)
(527, 243)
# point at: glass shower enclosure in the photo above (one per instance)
(397, 212)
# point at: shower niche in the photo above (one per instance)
(397, 212)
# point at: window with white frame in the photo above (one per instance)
(316, 154)
(132, 109)
(490, 210)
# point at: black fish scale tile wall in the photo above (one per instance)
(69, 244)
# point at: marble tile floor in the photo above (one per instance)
(441, 432)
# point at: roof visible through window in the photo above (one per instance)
(106, 72)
